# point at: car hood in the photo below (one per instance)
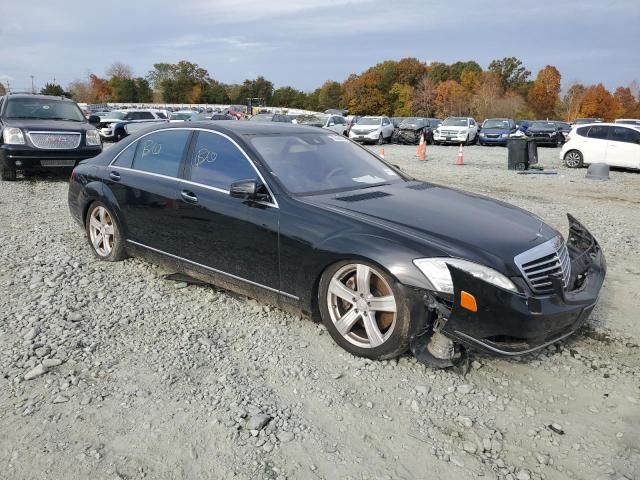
(412, 126)
(448, 221)
(49, 125)
(452, 127)
(365, 128)
(495, 130)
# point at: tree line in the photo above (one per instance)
(396, 88)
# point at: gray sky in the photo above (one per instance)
(302, 43)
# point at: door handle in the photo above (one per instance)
(189, 196)
(114, 176)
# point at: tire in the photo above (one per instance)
(109, 248)
(573, 159)
(386, 332)
(118, 135)
(8, 174)
(380, 140)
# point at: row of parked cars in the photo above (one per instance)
(40, 132)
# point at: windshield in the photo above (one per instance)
(116, 115)
(413, 121)
(181, 116)
(310, 163)
(496, 123)
(261, 118)
(369, 121)
(311, 119)
(542, 126)
(45, 109)
(455, 122)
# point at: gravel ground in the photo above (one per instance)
(110, 372)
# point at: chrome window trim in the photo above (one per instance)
(273, 203)
(49, 132)
(215, 270)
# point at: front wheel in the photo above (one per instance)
(380, 140)
(363, 310)
(8, 174)
(118, 135)
(104, 233)
(573, 159)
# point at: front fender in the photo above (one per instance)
(393, 257)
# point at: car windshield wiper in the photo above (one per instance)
(67, 119)
(371, 185)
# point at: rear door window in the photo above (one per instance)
(627, 135)
(161, 152)
(125, 159)
(217, 162)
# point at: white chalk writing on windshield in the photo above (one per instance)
(151, 148)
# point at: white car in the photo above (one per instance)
(372, 130)
(615, 144)
(456, 130)
(336, 123)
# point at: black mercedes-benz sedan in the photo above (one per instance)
(309, 220)
(546, 133)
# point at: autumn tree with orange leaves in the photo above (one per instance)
(627, 105)
(598, 102)
(451, 99)
(544, 94)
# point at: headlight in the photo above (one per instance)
(12, 136)
(481, 134)
(436, 271)
(93, 137)
(504, 135)
(463, 133)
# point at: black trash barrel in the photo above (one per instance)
(520, 152)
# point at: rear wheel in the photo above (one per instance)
(104, 233)
(8, 174)
(573, 159)
(363, 310)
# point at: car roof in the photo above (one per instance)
(245, 128)
(41, 97)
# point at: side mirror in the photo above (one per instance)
(247, 190)
(94, 119)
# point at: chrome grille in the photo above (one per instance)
(449, 133)
(540, 263)
(55, 140)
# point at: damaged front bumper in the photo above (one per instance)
(514, 323)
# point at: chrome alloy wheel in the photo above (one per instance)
(362, 305)
(572, 159)
(101, 231)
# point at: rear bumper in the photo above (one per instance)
(509, 323)
(22, 157)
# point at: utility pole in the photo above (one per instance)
(33, 86)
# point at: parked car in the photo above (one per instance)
(303, 219)
(496, 131)
(545, 133)
(523, 125)
(184, 116)
(629, 121)
(372, 130)
(41, 132)
(615, 144)
(213, 116)
(456, 130)
(584, 121)
(131, 121)
(270, 117)
(412, 129)
(336, 123)
(564, 127)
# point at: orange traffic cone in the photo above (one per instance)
(422, 149)
(382, 152)
(460, 159)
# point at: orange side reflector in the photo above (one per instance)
(468, 301)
